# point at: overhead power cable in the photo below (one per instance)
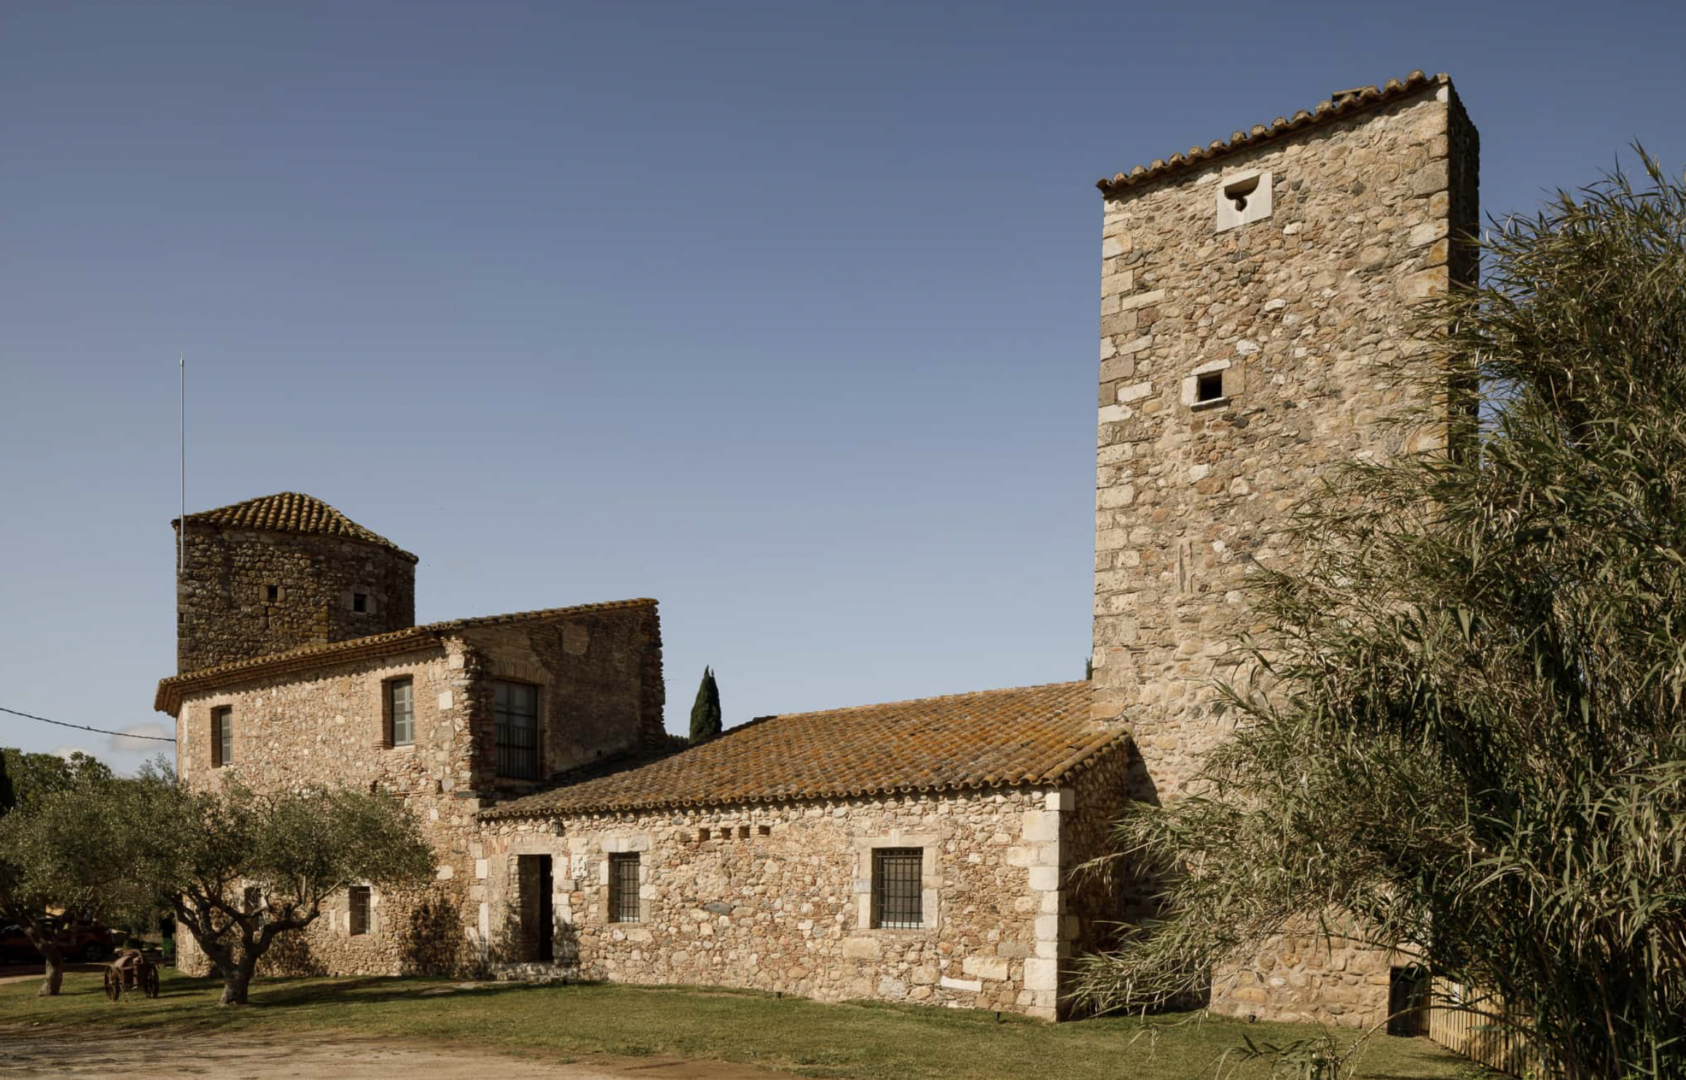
(84, 727)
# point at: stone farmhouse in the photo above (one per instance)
(1256, 298)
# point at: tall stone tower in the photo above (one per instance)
(274, 573)
(1255, 295)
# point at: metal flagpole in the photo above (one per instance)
(181, 527)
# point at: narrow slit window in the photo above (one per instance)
(222, 737)
(897, 894)
(623, 888)
(359, 910)
(1209, 387)
(401, 713)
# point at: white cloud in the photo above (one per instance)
(126, 744)
(65, 751)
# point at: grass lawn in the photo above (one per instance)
(851, 1042)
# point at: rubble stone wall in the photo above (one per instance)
(223, 597)
(1300, 320)
(329, 728)
(778, 898)
(599, 678)
(600, 687)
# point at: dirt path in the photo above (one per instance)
(305, 1057)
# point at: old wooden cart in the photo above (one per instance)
(131, 971)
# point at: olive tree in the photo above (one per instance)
(55, 846)
(1466, 720)
(239, 867)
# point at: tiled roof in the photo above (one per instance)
(171, 690)
(289, 511)
(995, 738)
(1343, 104)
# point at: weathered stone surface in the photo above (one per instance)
(1194, 498)
(247, 593)
(796, 881)
(328, 726)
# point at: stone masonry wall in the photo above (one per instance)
(778, 898)
(600, 687)
(329, 728)
(599, 679)
(1303, 317)
(224, 612)
(1098, 904)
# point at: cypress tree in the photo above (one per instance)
(705, 712)
(8, 797)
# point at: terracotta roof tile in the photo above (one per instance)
(289, 511)
(1343, 104)
(994, 738)
(172, 689)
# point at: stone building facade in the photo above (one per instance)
(1257, 299)
(759, 856)
(1257, 302)
(322, 714)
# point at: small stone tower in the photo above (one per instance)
(1255, 297)
(274, 573)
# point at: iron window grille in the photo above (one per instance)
(359, 909)
(515, 707)
(623, 888)
(897, 896)
(222, 737)
(401, 712)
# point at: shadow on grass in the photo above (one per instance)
(305, 993)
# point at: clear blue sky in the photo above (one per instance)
(782, 313)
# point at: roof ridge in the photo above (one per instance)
(1343, 104)
(913, 701)
(973, 741)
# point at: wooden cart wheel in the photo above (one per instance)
(113, 984)
(149, 980)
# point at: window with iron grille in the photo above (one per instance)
(897, 899)
(516, 709)
(400, 713)
(222, 737)
(359, 909)
(623, 888)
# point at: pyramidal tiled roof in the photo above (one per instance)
(290, 511)
(1027, 735)
(1341, 105)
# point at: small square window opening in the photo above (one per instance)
(1209, 387)
(765, 830)
(360, 601)
(897, 888)
(272, 593)
(702, 835)
(743, 832)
